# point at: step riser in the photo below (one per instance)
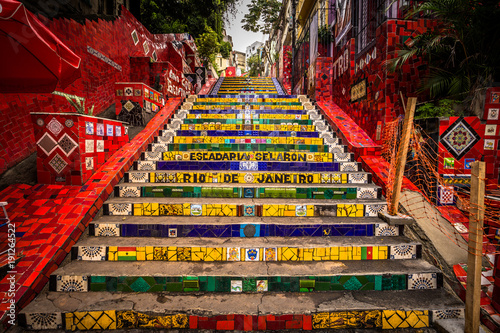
(248, 166)
(246, 178)
(129, 319)
(170, 137)
(228, 210)
(245, 122)
(254, 254)
(240, 192)
(228, 284)
(235, 147)
(242, 230)
(237, 133)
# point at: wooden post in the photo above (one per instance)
(402, 152)
(474, 261)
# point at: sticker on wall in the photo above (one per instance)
(146, 47)
(490, 130)
(135, 38)
(489, 144)
(99, 129)
(449, 163)
(467, 163)
(493, 114)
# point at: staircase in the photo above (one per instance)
(246, 213)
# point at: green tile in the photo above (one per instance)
(174, 286)
(322, 286)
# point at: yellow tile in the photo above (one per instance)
(138, 210)
(112, 253)
(310, 210)
(141, 253)
(382, 252)
(375, 253)
(198, 253)
(149, 252)
(289, 254)
(172, 253)
(356, 253)
(307, 254)
(334, 253)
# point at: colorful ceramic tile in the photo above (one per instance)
(493, 114)
(449, 163)
(47, 144)
(403, 252)
(106, 229)
(448, 314)
(249, 210)
(422, 281)
(172, 232)
(89, 163)
(233, 254)
(89, 128)
(236, 286)
(489, 144)
(374, 210)
(252, 254)
(58, 163)
(262, 285)
(461, 228)
(490, 130)
(67, 144)
(404, 319)
(89, 146)
(459, 138)
(270, 254)
(128, 91)
(467, 163)
(72, 283)
(120, 209)
(99, 129)
(300, 210)
(250, 230)
(92, 253)
(91, 320)
(44, 321)
(196, 210)
(366, 193)
(55, 126)
(99, 146)
(109, 130)
(383, 229)
(445, 195)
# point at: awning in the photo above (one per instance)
(32, 59)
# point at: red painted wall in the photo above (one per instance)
(112, 39)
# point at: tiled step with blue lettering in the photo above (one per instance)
(246, 277)
(248, 166)
(277, 207)
(296, 191)
(244, 127)
(257, 121)
(250, 96)
(238, 177)
(256, 156)
(243, 226)
(242, 109)
(253, 249)
(256, 133)
(235, 147)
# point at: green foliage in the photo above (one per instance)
(225, 50)
(191, 16)
(255, 65)
(463, 51)
(208, 46)
(325, 34)
(262, 16)
(444, 108)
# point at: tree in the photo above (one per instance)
(463, 51)
(225, 50)
(191, 16)
(208, 46)
(262, 16)
(255, 65)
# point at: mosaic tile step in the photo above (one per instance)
(241, 133)
(298, 191)
(245, 127)
(167, 137)
(247, 166)
(250, 96)
(237, 114)
(235, 106)
(245, 226)
(245, 99)
(154, 276)
(245, 177)
(244, 103)
(278, 207)
(415, 309)
(235, 147)
(257, 156)
(246, 121)
(251, 249)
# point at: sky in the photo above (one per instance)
(242, 38)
